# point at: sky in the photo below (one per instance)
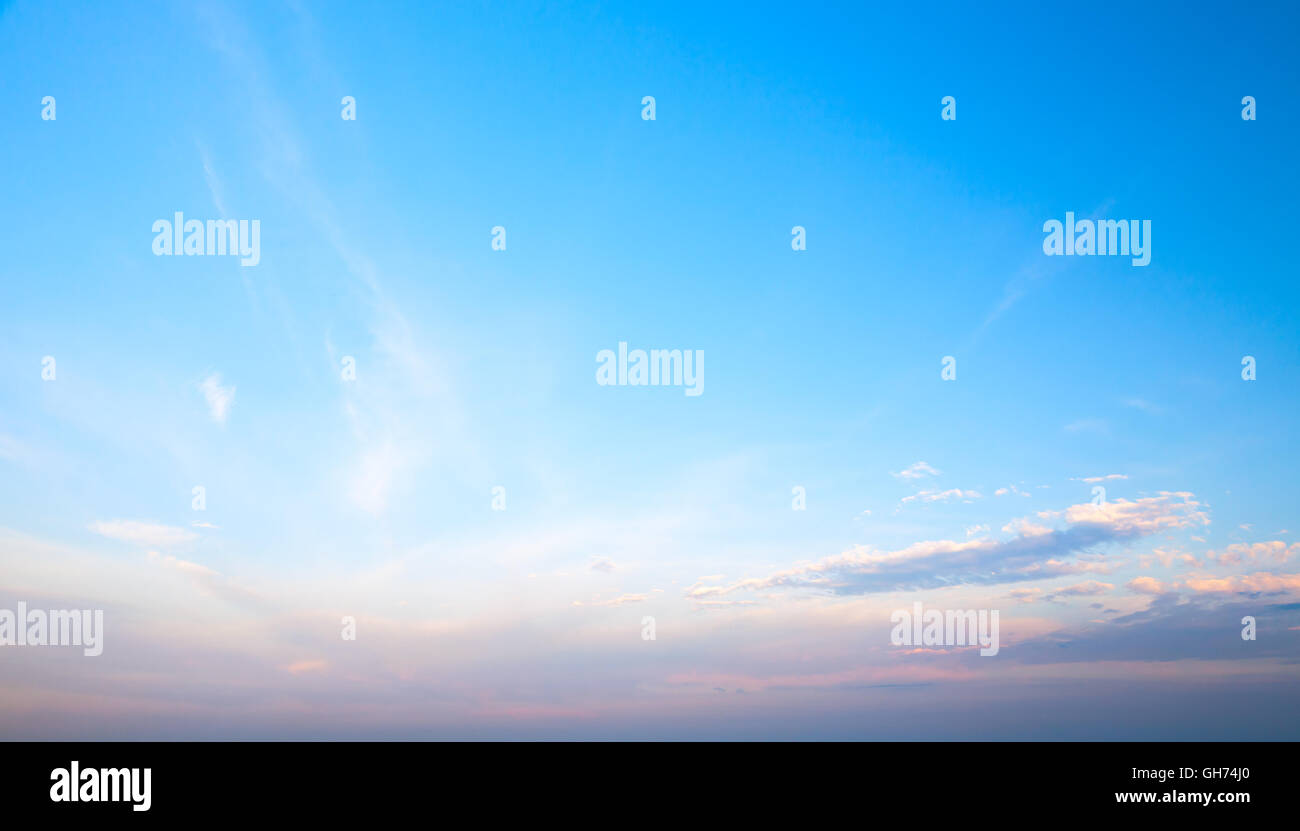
(497, 524)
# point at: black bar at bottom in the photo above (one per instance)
(537, 782)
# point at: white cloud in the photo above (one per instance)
(374, 477)
(1245, 583)
(919, 470)
(1143, 516)
(1167, 557)
(1275, 551)
(219, 398)
(1146, 585)
(142, 533)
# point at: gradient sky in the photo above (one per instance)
(476, 369)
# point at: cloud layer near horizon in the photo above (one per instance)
(1033, 552)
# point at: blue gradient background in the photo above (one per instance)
(476, 368)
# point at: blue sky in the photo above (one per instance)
(476, 368)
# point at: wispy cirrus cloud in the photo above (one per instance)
(942, 496)
(1088, 425)
(1143, 405)
(142, 533)
(1088, 588)
(621, 600)
(185, 566)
